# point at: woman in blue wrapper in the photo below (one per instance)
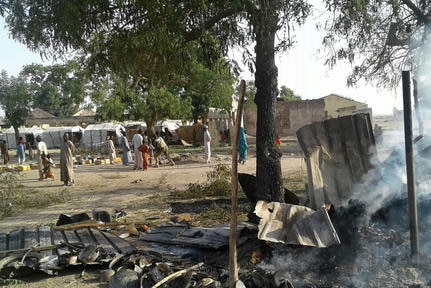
(242, 146)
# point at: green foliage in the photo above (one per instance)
(287, 94)
(15, 99)
(57, 89)
(209, 88)
(218, 183)
(15, 197)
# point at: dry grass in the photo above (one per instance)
(14, 197)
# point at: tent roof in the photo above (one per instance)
(24, 130)
(104, 126)
(65, 128)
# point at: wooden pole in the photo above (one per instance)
(413, 215)
(233, 266)
(81, 225)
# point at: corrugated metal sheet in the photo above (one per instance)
(45, 242)
(338, 153)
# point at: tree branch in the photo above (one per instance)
(420, 16)
(196, 33)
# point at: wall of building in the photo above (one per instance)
(337, 106)
(290, 116)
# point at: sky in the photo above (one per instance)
(300, 69)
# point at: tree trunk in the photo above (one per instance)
(268, 166)
(16, 130)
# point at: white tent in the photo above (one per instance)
(172, 125)
(53, 136)
(95, 134)
(27, 133)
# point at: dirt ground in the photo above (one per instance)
(120, 187)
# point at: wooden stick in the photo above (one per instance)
(32, 249)
(80, 225)
(233, 266)
(175, 275)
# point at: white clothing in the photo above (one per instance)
(207, 146)
(136, 142)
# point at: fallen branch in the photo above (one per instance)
(175, 275)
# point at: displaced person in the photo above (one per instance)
(125, 148)
(378, 133)
(47, 162)
(160, 148)
(149, 141)
(5, 152)
(137, 142)
(145, 150)
(277, 142)
(41, 149)
(20, 151)
(29, 148)
(111, 149)
(207, 144)
(66, 161)
(242, 146)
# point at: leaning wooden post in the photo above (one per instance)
(233, 267)
(411, 191)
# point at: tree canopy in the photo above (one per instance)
(287, 94)
(15, 100)
(58, 89)
(381, 38)
(149, 39)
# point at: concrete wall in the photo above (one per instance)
(338, 106)
(292, 115)
(289, 116)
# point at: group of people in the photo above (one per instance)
(146, 150)
(45, 162)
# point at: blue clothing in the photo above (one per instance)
(21, 153)
(242, 145)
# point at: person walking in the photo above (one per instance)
(41, 150)
(207, 144)
(145, 150)
(111, 149)
(137, 142)
(125, 148)
(20, 151)
(66, 161)
(242, 146)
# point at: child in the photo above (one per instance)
(47, 163)
(145, 150)
(277, 142)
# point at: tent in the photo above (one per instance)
(171, 125)
(53, 136)
(27, 133)
(95, 134)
